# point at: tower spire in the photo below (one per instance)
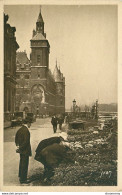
(40, 8)
(40, 23)
(40, 19)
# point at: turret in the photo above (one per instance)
(57, 74)
(60, 90)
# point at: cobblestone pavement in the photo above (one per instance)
(41, 129)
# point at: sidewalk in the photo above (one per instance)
(41, 129)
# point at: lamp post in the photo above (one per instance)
(74, 105)
(96, 113)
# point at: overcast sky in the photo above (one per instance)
(84, 41)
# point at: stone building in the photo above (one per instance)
(23, 73)
(38, 90)
(10, 47)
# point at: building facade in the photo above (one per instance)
(38, 90)
(10, 47)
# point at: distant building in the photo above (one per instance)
(23, 73)
(10, 47)
(38, 90)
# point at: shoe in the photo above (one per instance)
(25, 182)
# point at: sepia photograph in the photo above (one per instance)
(60, 115)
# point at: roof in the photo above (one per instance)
(22, 58)
(40, 19)
(57, 74)
(38, 36)
(50, 74)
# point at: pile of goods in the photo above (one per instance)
(94, 159)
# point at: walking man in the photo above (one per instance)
(22, 141)
(54, 123)
(60, 122)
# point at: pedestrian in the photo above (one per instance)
(60, 122)
(54, 123)
(51, 152)
(22, 141)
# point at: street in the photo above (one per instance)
(93, 154)
(41, 129)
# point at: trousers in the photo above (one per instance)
(55, 128)
(60, 126)
(23, 167)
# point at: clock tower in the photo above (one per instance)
(44, 92)
(39, 48)
(39, 65)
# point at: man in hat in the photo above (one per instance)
(22, 141)
(54, 121)
(60, 122)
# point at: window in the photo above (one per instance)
(38, 58)
(26, 76)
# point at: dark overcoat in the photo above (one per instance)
(60, 121)
(22, 139)
(44, 143)
(50, 153)
(54, 121)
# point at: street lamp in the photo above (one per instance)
(74, 105)
(96, 106)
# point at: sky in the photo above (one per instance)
(83, 39)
